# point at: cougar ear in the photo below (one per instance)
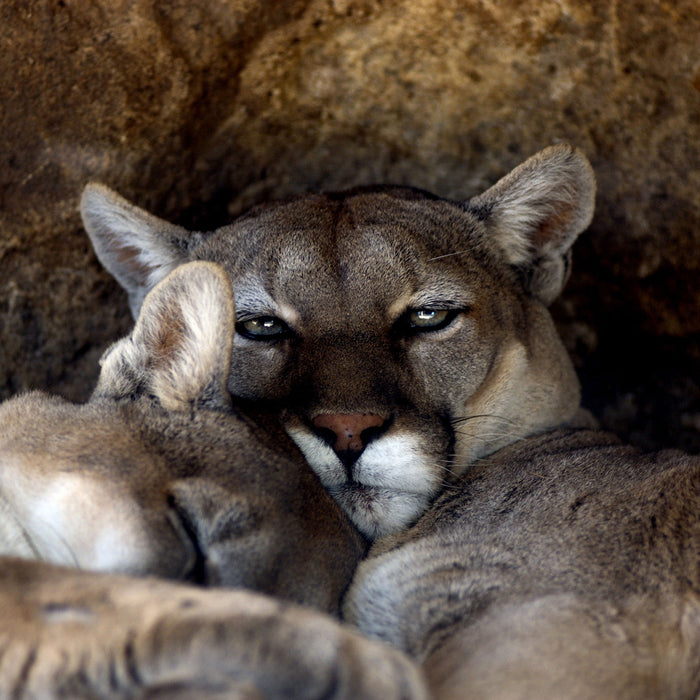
(180, 349)
(534, 214)
(139, 249)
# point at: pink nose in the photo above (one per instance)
(348, 428)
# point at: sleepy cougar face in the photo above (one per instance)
(360, 333)
(401, 336)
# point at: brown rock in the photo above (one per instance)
(196, 110)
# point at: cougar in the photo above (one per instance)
(566, 565)
(160, 473)
(405, 341)
(400, 336)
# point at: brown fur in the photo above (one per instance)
(554, 562)
(565, 565)
(198, 490)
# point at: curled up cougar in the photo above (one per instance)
(401, 344)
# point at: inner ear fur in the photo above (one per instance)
(180, 349)
(137, 248)
(535, 213)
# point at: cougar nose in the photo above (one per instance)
(349, 429)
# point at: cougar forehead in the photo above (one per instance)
(318, 248)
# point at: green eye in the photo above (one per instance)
(429, 319)
(263, 328)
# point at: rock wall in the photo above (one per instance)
(196, 110)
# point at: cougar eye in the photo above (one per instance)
(430, 319)
(263, 328)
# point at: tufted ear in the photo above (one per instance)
(180, 349)
(534, 214)
(139, 249)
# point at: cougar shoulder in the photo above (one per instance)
(401, 336)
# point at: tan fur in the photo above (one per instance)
(566, 565)
(79, 635)
(563, 566)
(343, 272)
(553, 562)
(159, 474)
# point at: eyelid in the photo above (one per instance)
(284, 331)
(406, 328)
(440, 302)
(247, 310)
(245, 315)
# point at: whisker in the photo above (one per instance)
(447, 255)
(449, 473)
(487, 435)
(30, 541)
(464, 419)
(449, 486)
(447, 468)
(71, 553)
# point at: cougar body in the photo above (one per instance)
(159, 473)
(566, 565)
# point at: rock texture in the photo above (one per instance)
(198, 109)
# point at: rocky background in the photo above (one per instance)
(196, 109)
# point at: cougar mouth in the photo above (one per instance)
(377, 511)
(385, 488)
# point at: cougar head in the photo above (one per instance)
(400, 336)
